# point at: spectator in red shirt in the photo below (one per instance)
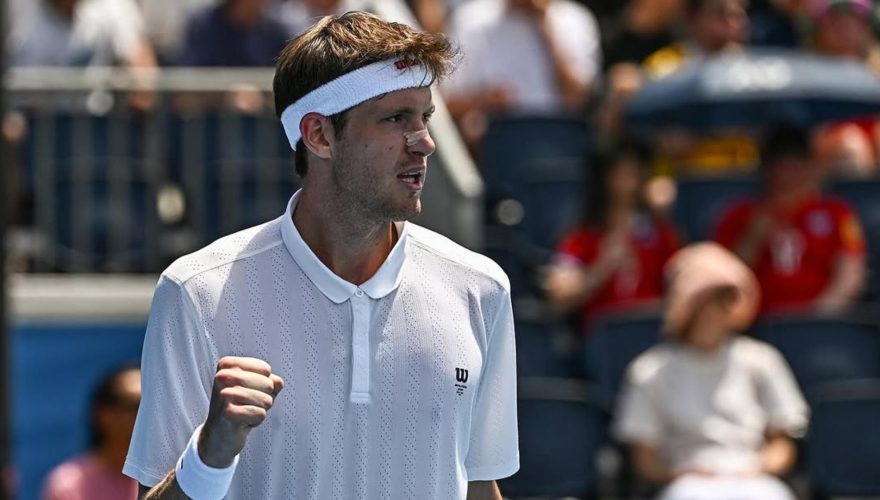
(806, 248)
(614, 259)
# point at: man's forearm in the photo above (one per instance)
(483, 490)
(165, 490)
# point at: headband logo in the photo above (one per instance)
(402, 64)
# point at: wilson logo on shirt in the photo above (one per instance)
(461, 376)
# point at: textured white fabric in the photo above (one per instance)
(502, 48)
(727, 488)
(431, 310)
(198, 480)
(353, 88)
(710, 412)
(101, 33)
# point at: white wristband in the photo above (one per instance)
(200, 481)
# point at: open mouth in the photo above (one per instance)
(412, 178)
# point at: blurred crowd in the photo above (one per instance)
(585, 60)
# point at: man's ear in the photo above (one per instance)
(317, 134)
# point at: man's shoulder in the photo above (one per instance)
(244, 244)
(456, 255)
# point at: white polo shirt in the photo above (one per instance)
(403, 387)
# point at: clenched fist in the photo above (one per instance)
(244, 391)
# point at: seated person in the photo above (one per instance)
(521, 57)
(98, 472)
(233, 33)
(709, 414)
(614, 258)
(806, 248)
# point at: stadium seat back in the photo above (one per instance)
(843, 442)
(614, 342)
(560, 431)
(701, 202)
(824, 349)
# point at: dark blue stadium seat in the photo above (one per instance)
(236, 170)
(864, 195)
(94, 186)
(535, 167)
(540, 349)
(702, 201)
(614, 342)
(823, 349)
(843, 441)
(560, 431)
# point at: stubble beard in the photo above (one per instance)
(362, 197)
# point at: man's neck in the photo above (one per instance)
(352, 248)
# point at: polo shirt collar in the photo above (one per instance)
(385, 281)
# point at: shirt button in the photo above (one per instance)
(359, 293)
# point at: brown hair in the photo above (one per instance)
(337, 45)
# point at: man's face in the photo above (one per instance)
(787, 173)
(373, 168)
(844, 31)
(720, 23)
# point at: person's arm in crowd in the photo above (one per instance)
(569, 286)
(753, 237)
(142, 63)
(483, 490)
(574, 91)
(846, 284)
(649, 465)
(778, 454)
(243, 392)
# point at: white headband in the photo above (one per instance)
(353, 88)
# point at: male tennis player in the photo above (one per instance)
(395, 345)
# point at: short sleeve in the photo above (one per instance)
(849, 230)
(493, 452)
(731, 225)
(466, 79)
(638, 419)
(780, 395)
(126, 27)
(578, 34)
(578, 246)
(176, 377)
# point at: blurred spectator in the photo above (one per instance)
(642, 28)
(713, 26)
(615, 258)
(709, 414)
(806, 248)
(843, 28)
(520, 57)
(233, 33)
(846, 150)
(80, 33)
(775, 23)
(432, 14)
(98, 473)
(165, 22)
(300, 15)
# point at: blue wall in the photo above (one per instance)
(54, 368)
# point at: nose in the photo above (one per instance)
(420, 143)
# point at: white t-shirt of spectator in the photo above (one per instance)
(710, 411)
(101, 33)
(502, 47)
(402, 387)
